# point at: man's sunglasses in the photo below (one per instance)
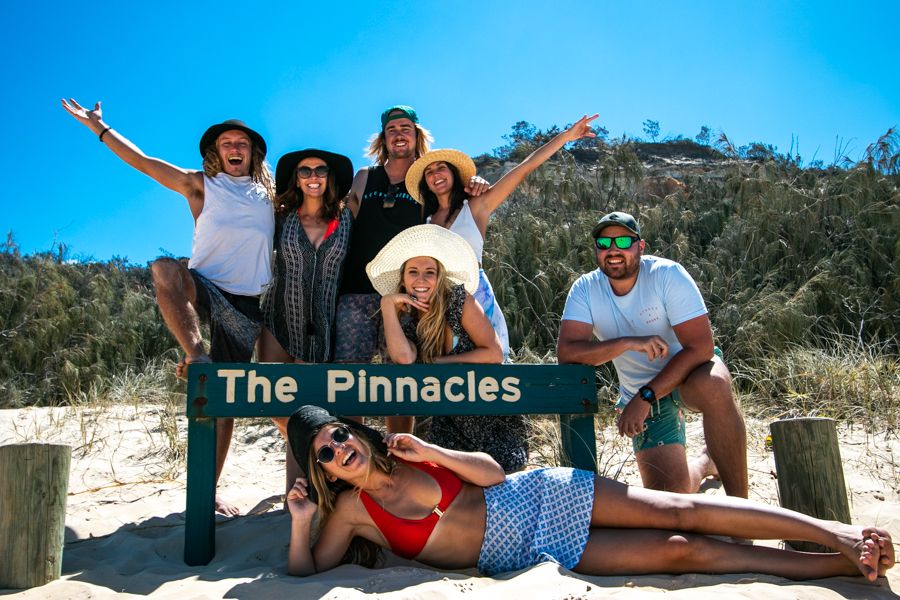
(622, 242)
(339, 435)
(306, 172)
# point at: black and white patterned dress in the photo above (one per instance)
(300, 305)
(503, 437)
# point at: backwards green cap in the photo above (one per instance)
(404, 112)
(617, 218)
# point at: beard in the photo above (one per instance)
(624, 270)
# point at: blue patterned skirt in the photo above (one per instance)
(537, 516)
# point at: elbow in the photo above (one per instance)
(404, 360)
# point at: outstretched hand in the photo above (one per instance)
(406, 446)
(92, 119)
(581, 128)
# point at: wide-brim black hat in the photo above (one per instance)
(303, 426)
(338, 164)
(210, 136)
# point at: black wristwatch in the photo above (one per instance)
(647, 394)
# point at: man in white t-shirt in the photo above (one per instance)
(649, 319)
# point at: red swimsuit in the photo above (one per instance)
(407, 537)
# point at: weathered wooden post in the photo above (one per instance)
(810, 475)
(34, 479)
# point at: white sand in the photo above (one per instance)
(125, 516)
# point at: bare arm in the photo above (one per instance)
(186, 182)
(481, 332)
(475, 467)
(333, 541)
(576, 344)
(357, 189)
(400, 349)
(695, 336)
(487, 203)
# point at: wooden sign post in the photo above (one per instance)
(810, 475)
(34, 480)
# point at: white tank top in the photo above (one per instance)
(464, 225)
(232, 244)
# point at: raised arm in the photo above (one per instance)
(188, 183)
(475, 467)
(333, 541)
(487, 203)
(357, 189)
(481, 332)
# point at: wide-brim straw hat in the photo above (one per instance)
(448, 248)
(212, 134)
(340, 165)
(460, 160)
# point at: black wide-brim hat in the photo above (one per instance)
(338, 164)
(306, 422)
(210, 136)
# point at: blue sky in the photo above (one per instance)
(313, 75)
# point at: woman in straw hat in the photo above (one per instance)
(426, 276)
(455, 510)
(436, 180)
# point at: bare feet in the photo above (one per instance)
(181, 367)
(223, 507)
(872, 550)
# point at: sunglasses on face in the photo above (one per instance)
(339, 435)
(307, 172)
(622, 242)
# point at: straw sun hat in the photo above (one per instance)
(458, 159)
(448, 248)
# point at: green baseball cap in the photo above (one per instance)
(406, 112)
(617, 218)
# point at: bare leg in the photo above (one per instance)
(617, 505)
(700, 468)
(176, 296)
(400, 424)
(665, 468)
(640, 551)
(224, 429)
(708, 390)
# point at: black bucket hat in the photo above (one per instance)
(210, 136)
(338, 164)
(303, 426)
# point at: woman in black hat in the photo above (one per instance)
(312, 234)
(456, 510)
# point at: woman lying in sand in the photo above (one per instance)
(456, 510)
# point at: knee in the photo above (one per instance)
(165, 272)
(688, 551)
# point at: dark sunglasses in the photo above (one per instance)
(339, 435)
(306, 172)
(623, 242)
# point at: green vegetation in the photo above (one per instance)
(798, 265)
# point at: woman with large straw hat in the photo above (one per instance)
(426, 276)
(437, 178)
(457, 510)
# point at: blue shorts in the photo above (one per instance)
(543, 515)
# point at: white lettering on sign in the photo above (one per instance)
(285, 388)
(375, 388)
(230, 376)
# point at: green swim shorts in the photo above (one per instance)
(665, 423)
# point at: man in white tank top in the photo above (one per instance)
(230, 265)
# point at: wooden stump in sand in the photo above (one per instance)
(810, 475)
(34, 479)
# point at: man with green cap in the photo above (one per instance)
(650, 320)
(383, 209)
